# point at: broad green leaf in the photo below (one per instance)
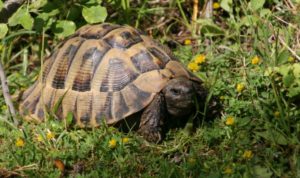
(257, 4)
(64, 28)
(37, 4)
(265, 12)
(283, 57)
(284, 69)
(53, 13)
(262, 172)
(27, 21)
(21, 17)
(42, 21)
(91, 2)
(294, 91)
(296, 70)
(52, 8)
(94, 14)
(74, 13)
(226, 5)
(1, 4)
(3, 30)
(288, 80)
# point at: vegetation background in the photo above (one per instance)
(246, 52)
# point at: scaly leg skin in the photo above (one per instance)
(152, 120)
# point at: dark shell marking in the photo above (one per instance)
(118, 76)
(160, 55)
(120, 106)
(103, 71)
(143, 61)
(124, 39)
(97, 32)
(64, 65)
(48, 64)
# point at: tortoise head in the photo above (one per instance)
(179, 95)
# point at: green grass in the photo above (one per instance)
(256, 135)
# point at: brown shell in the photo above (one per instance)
(103, 71)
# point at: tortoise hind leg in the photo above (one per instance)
(152, 120)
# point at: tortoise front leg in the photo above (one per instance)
(152, 120)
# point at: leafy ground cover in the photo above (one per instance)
(246, 53)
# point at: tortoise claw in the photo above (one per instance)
(152, 135)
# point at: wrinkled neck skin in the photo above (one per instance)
(178, 121)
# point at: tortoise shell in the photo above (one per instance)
(103, 71)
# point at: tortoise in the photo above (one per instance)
(108, 72)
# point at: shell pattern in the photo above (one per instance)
(103, 71)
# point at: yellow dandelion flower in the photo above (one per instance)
(230, 120)
(276, 113)
(112, 143)
(240, 87)
(20, 142)
(200, 59)
(291, 59)
(255, 60)
(216, 5)
(194, 67)
(125, 140)
(39, 138)
(228, 170)
(187, 42)
(50, 135)
(247, 154)
(222, 97)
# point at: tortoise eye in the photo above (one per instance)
(175, 91)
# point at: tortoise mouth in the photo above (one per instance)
(182, 103)
(181, 108)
